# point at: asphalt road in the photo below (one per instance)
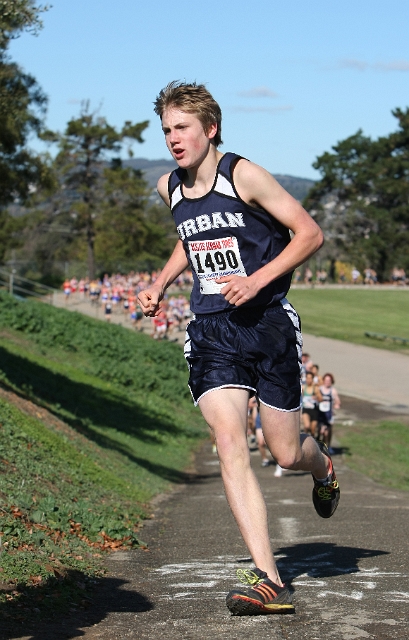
(367, 373)
(349, 574)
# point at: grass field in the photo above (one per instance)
(347, 314)
(380, 450)
(94, 421)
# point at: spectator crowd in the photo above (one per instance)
(117, 293)
(349, 276)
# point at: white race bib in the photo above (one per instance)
(213, 259)
(325, 406)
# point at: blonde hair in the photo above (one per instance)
(192, 98)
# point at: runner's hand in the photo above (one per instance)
(238, 290)
(149, 299)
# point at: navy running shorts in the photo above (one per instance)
(313, 413)
(256, 348)
(325, 418)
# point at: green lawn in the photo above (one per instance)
(346, 314)
(95, 420)
(379, 450)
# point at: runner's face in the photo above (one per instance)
(185, 137)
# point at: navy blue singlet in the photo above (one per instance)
(222, 235)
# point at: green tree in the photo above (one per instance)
(362, 199)
(17, 16)
(22, 105)
(22, 110)
(86, 147)
(129, 232)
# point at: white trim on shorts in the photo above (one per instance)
(278, 409)
(295, 319)
(224, 386)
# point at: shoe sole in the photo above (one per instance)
(242, 606)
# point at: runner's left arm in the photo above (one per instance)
(335, 397)
(258, 188)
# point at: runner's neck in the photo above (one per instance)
(199, 180)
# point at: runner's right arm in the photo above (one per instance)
(318, 393)
(150, 298)
(335, 396)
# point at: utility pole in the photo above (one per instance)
(11, 281)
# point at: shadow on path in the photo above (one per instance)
(321, 560)
(109, 595)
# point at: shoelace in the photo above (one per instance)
(325, 491)
(248, 577)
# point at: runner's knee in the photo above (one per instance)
(232, 448)
(288, 459)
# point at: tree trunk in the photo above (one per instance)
(90, 250)
(332, 274)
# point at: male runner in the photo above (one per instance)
(233, 221)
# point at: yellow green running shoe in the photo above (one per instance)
(264, 597)
(325, 495)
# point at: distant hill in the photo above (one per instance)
(154, 169)
(298, 187)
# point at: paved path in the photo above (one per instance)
(349, 573)
(368, 373)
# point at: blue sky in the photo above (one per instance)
(292, 78)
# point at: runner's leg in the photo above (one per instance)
(225, 411)
(261, 444)
(306, 422)
(290, 449)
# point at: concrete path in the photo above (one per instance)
(368, 373)
(349, 574)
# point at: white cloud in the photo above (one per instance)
(362, 65)
(258, 92)
(395, 65)
(287, 107)
(351, 63)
